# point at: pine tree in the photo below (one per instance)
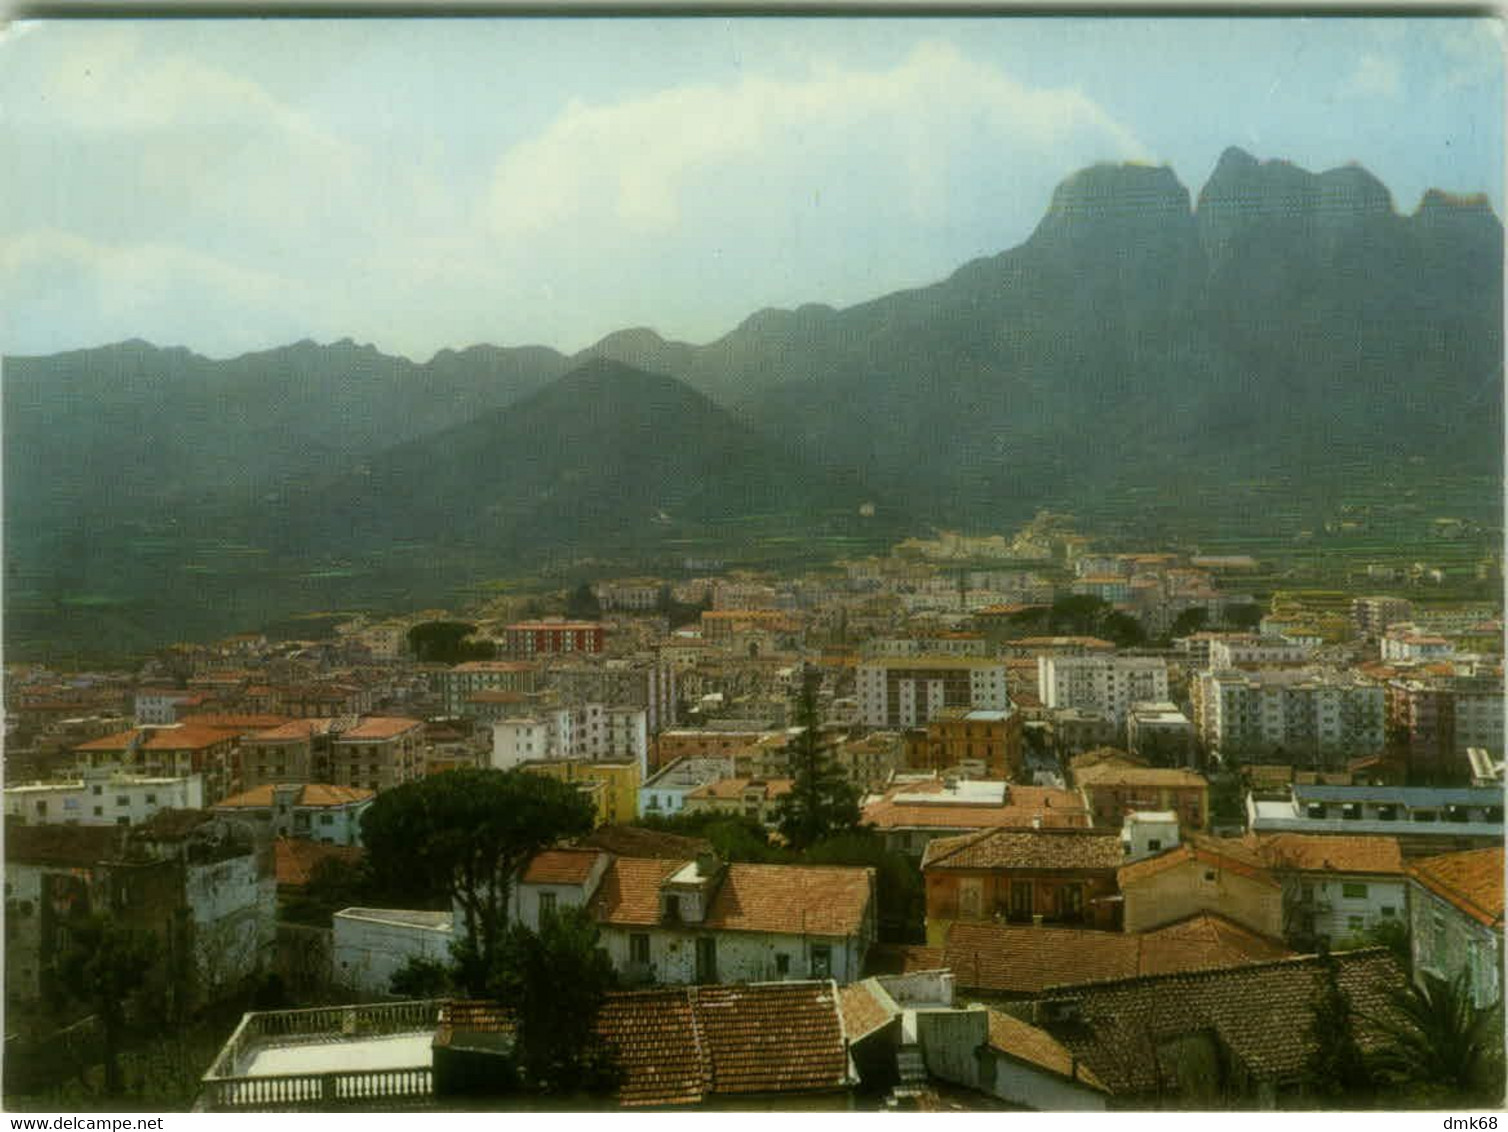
(821, 803)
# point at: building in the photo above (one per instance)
(101, 797)
(1145, 833)
(1255, 651)
(1406, 644)
(1105, 684)
(1335, 889)
(1061, 876)
(613, 787)
(1160, 733)
(1424, 818)
(1456, 919)
(1434, 721)
(916, 810)
(903, 692)
(378, 753)
(160, 705)
(525, 640)
(665, 792)
(371, 945)
(701, 921)
(179, 750)
(757, 799)
(524, 738)
(988, 743)
(1202, 874)
(869, 762)
(460, 683)
(1371, 616)
(1112, 790)
(1075, 731)
(645, 681)
(1303, 716)
(327, 814)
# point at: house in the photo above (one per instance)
(1112, 790)
(1334, 888)
(1227, 1038)
(665, 792)
(1456, 919)
(1008, 961)
(329, 814)
(916, 809)
(1145, 833)
(613, 787)
(1424, 819)
(1201, 874)
(1158, 731)
(755, 798)
(1023, 875)
(700, 920)
(171, 751)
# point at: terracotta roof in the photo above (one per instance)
(734, 788)
(183, 737)
(630, 890)
(1220, 852)
(296, 859)
(561, 866)
(78, 846)
(1472, 881)
(636, 841)
(476, 1016)
(309, 794)
(1113, 774)
(1259, 1015)
(1321, 852)
(293, 729)
(863, 1010)
(244, 722)
(1057, 809)
(1025, 1042)
(677, 1046)
(1026, 849)
(377, 727)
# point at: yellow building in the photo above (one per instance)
(613, 787)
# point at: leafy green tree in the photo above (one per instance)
(421, 977)
(821, 802)
(105, 966)
(583, 605)
(555, 980)
(461, 836)
(1441, 1050)
(1337, 1073)
(1189, 621)
(1241, 615)
(733, 836)
(445, 642)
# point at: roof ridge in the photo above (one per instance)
(1209, 972)
(704, 1059)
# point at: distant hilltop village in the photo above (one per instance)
(916, 830)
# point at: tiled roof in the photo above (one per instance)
(378, 727)
(817, 900)
(636, 841)
(630, 890)
(863, 1010)
(1219, 852)
(295, 859)
(1320, 852)
(1113, 774)
(1260, 1014)
(1056, 809)
(561, 866)
(1472, 881)
(71, 845)
(902, 959)
(1018, 960)
(1025, 1042)
(183, 737)
(734, 788)
(1026, 849)
(803, 899)
(247, 723)
(309, 794)
(295, 729)
(677, 1046)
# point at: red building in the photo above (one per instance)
(544, 638)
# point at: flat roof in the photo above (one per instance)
(340, 1054)
(433, 921)
(1403, 795)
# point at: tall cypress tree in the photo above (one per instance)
(821, 803)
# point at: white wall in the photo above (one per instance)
(366, 953)
(742, 957)
(1025, 1084)
(234, 912)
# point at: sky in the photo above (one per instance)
(233, 185)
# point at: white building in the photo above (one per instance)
(160, 705)
(1145, 833)
(1306, 713)
(330, 815)
(102, 797)
(1252, 652)
(665, 793)
(1106, 684)
(370, 945)
(685, 921)
(518, 740)
(904, 692)
(1335, 889)
(1397, 811)
(1405, 643)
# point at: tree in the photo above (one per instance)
(461, 836)
(421, 977)
(445, 642)
(1440, 1048)
(1241, 615)
(1337, 1071)
(555, 980)
(105, 967)
(583, 605)
(900, 898)
(1189, 621)
(821, 802)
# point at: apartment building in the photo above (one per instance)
(1105, 684)
(524, 640)
(378, 753)
(459, 683)
(1434, 721)
(905, 692)
(1305, 716)
(1371, 616)
(101, 797)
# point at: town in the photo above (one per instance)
(996, 822)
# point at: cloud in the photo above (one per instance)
(1474, 53)
(1374, 76)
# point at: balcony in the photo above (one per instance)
(339, 1057)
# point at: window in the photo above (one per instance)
(1388, 911)
(1154, 844)
(782, 963)
(41, 807)
(706, 959)
(672, 907)
(98, 790)
(326, 819)
(638, 949)
(122, 800)
(546, 904)
(822, 962)
(99, 811)
(123, 820)
(1354, 891)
